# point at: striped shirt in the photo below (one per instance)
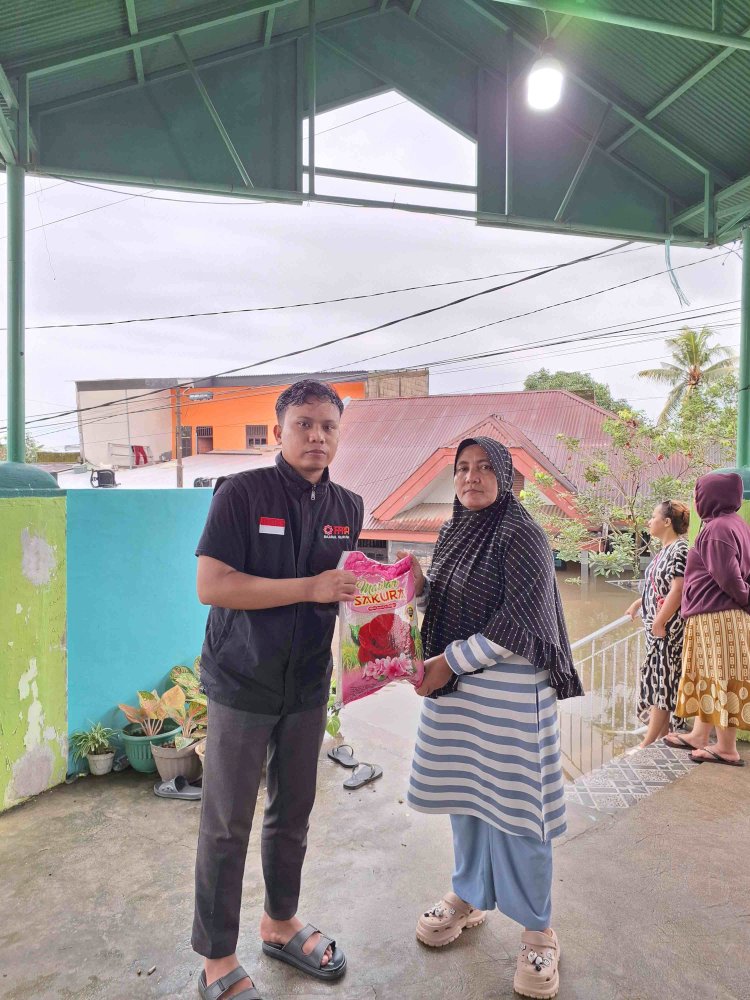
(491, 748)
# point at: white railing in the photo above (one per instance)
(603, 723)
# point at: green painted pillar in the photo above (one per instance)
(16, 175)
(743, 398)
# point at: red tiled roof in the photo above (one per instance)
(383, 441)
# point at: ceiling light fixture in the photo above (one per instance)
(545, 81)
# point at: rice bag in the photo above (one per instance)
(379, 638)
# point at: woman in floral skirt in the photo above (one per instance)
(665, 628)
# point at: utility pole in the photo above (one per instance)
(178, 434)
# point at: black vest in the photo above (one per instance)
(278, 661)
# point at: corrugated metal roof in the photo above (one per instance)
(384, 441)
(74, 49)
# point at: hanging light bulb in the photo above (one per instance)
(545, 80)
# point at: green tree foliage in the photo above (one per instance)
(32, 450)
(696, 364)
(639, 466)
(709, 414)
(577, 382)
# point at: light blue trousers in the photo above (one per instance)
(495, 869)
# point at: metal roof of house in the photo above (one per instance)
(649, 142)
(384, 441)
(284, 378)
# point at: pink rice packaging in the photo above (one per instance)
(379, 638)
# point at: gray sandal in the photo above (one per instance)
(292, 954)
(178, 788)
(362, 775)
(344, 755)
(219, 987)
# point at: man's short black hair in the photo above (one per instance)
(302, 392)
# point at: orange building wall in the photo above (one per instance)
(233, 408)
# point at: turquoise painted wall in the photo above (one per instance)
(132, 609)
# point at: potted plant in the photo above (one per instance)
(95, 745)
(149, 725)
(177, 755)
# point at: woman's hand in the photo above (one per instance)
(633, 610)
(659, 628)
(415, 568)
(437, 673)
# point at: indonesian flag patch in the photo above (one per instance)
(271, 526)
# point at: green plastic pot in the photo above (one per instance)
(138, 748)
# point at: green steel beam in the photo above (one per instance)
(489, 9)
(576, 9)
(312, 79)
(510, 45)
(133, 29)
(505, 221)
(734, 221)
(8, 149)
(709, 210)
(742, 184)
(414, 9)
(6, 91)
(215, 116)
(160, 30)
(677, 92)
(561, 25)
(743, 395)
(356, 175)
(581, 167)
(15, 173)
(268, 27)
(294, 197)
(170, 184)
(717, 14)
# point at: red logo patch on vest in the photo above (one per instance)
(336, 530)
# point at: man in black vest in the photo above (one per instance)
(266, 565)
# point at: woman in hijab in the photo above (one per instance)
(715, 684)
(487, 752)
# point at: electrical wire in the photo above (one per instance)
(530, 312)
(380, 326)
(309, 304)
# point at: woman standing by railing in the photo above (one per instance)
(665, 628)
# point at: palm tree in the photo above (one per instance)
(695, 362)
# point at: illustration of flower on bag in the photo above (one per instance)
(389, 668)
(386, 635)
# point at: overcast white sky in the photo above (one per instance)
(135, 256)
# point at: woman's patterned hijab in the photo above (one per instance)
(493, 572)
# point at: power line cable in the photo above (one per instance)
(531, 312)
(380, 326)
(299, 305)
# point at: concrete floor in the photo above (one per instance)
(650, 903)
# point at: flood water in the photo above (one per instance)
(585, 743)
(590, 607)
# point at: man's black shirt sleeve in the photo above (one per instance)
(226, 536)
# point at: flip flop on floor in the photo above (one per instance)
(344, 755)
(679, 744)
(363, 774)
(293, 955)
(177, 788)
(715, 758)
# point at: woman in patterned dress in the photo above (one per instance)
(487, 750)
(665, 628)
(715, 684)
